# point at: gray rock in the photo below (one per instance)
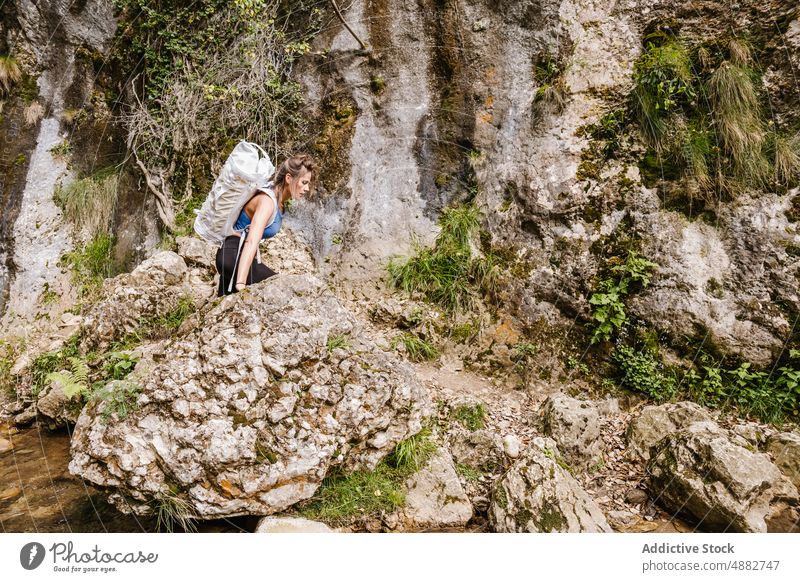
(155, 288)
(656, 422)
(434, 497)
(699, 472)
(196, 251)
(481, 449)
(785, 450)
(248, 412)
(511, 445)
(291, 525)
(538, 495)
(56, 408)
(575, 426)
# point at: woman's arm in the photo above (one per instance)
(264, 210)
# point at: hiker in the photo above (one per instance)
(261, 218)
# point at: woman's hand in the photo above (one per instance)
(264, 209)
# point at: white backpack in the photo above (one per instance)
(246, 169)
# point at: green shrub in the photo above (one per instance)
(662, 83)
(770, 396)
(117, 398)
(338, 342)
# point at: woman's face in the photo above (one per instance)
(298, 186)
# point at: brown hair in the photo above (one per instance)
(293, 166)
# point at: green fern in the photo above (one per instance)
(74, 382)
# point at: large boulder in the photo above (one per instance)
(154, 289)
(247, 413)
(656, 422)
(434, 497)
(538, 495)
(575, 426)
(699, 472)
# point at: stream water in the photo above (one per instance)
(38, 494)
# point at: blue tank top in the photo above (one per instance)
(270, 231)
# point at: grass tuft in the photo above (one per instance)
(363, 493)
(452, 273)
(89, 203)
(10, 73)
(418, 349)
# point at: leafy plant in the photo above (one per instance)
(608, 312)
(74, 382)
(62, 149)
(662, 83)
(642, 372)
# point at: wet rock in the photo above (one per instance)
(434, 497)
(291, 525)
(155, 288)
(656, 422)
(538, 495)
(575, 426)
(248, 412)
(699, 472)
(785, 450)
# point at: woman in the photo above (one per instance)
(261, 218)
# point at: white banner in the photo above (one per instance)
(407, 557)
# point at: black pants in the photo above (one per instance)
(226, 258)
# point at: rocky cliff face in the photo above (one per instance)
(524, 109)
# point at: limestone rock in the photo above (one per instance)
(56, 408)
(656, 422)
(511, 445)
(698, 471)
(538, 495)
(248, 412)
(434, 496)
(481, 449)
(575, 426)
(291, 525)
(155, 288)
(785, 450)
(196, 251)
